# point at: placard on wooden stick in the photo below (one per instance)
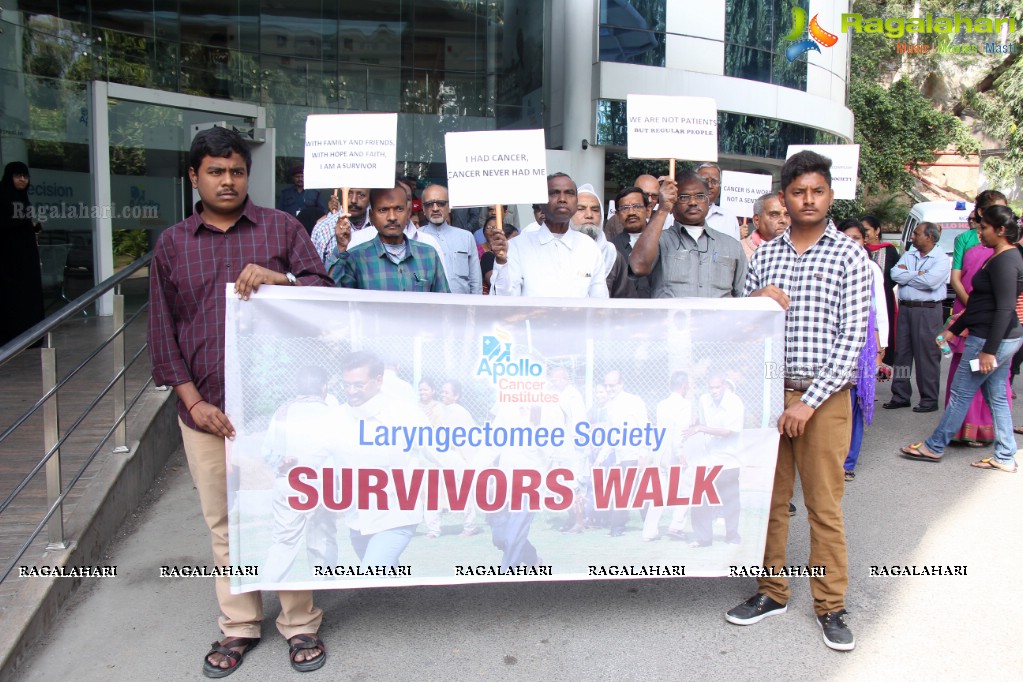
(739, 191)
(496, 167)
(350, 150)
(665, 127)
(845, 165)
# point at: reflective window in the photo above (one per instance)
(632, 31)
(756, 37)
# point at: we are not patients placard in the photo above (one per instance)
(350, 476)
(669, 127)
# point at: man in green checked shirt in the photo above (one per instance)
(390, 261)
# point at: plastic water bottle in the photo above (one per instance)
(943, 345)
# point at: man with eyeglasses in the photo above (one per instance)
(719, 218)
(461, 257)
(689, 259)
(633, 211)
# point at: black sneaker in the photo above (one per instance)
(754, 610)
(792, 509)
(837, 634)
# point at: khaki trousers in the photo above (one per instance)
(818, 456)
(241, 614)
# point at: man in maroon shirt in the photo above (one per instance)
(228, 238)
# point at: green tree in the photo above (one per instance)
(897, 128)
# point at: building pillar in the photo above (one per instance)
(579, 68)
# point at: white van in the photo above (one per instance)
(953, 217)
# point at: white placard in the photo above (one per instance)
(845, 165)
(739, 191)
(350, 150)
(496, 167)
(663, 127)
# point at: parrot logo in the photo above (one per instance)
(817, 35)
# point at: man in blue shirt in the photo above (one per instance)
(921, 274)
(296, 197)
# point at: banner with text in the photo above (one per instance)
(845, 165)
(496, 167)
(667, 127)
(391, 439)
(739, 191)
(350, 150)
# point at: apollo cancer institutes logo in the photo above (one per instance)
(519, 380)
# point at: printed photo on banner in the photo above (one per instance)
(496, 167)
(845, 165)
(666, 127)
(350, 150)
(382, 442)
(739, 191)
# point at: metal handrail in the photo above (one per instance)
(56, 492)
(71, 310)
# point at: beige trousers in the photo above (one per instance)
(818, 455)
(241, 614)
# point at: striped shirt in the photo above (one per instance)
(367, 266)
(192, 265)
(829, 290)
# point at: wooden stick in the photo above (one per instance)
(499, 213)
(344, 199)
(671, 168)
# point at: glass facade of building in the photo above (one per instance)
(632, 31)
(755, 42)
(738, 134)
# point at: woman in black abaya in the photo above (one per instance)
(21, 284)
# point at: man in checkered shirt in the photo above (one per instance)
(821, 278)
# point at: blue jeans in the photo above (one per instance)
(857, 432)
(964, 386)
(383, 548)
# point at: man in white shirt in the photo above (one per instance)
(675, 415)
(461, 257)
(554, 261)
(538, 219)
(624, 407)
(721, 219)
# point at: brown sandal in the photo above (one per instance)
(301, 643)
(225, 650)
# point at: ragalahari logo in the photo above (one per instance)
(818, 36)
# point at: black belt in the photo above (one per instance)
(920, 304)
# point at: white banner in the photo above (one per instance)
(845, 165)
(391, 439)
(350, 150)
(490, 167)
(665, 127)
(739, 191)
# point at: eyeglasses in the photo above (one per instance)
(631, 207)
(686, 198)
(711, 182)
(428, 204)
(356, 385)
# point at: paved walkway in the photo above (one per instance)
(21, 379)
(138, 626)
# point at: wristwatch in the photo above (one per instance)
(292, 280)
